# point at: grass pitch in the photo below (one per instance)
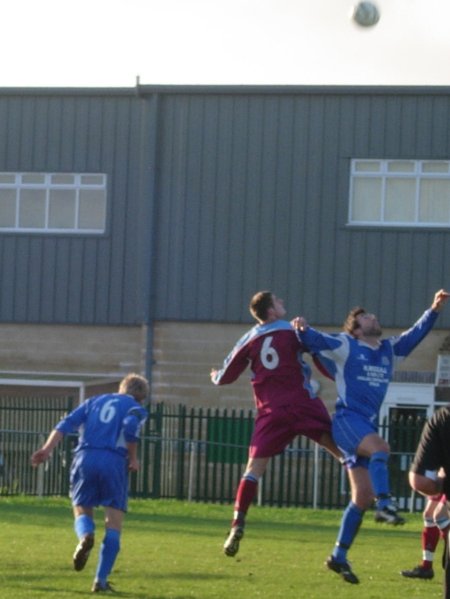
(173, 550)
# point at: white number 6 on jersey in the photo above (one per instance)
(108, 411)
(269, 356)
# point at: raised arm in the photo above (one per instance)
(440, 299)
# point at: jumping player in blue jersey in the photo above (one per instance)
(286, 404)
(109, 427)
(362, 365)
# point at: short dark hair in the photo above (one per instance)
(350, 323)
(260, 304)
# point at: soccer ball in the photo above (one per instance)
(366, 14)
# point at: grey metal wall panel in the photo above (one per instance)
(253, 193)
(245, 188)
(73, 278)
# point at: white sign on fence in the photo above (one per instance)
(443, 371)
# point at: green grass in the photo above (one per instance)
(173, 550)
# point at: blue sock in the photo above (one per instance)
(108, 552)
(350, 523)
(83, 525)
(379, 475)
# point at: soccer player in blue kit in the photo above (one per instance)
(286, 404)
(109, 427)
(362, 365)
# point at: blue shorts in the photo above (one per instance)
(349, 429)
(99, 477)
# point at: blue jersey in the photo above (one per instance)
(362, 372)
(107, 421)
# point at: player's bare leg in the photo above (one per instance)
(326, 441)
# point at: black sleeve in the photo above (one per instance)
(433, 451)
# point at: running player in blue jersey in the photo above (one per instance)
(362, 365)
(286, 404)
(109, 427)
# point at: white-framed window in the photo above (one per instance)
(412, 193)
(53, 202)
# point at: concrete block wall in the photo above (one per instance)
(71, 349)
(184, 354)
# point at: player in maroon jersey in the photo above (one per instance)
(286, 403)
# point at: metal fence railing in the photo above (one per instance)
(194, 454)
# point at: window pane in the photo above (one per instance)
(401, 166)
(61, 209)
(32, 209)
(62, 179)
(7, 178)
(400, 203)
(93, 179)
(53, 201)
(367, 166)
(435, 167)
(92, 209)
(366, 204)
(7, 208)
(435, 201)
(33, 178)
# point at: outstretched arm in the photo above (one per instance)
(440, 298)
(404, 344)
(234, 365)
(42, 454)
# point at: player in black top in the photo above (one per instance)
(433, 453)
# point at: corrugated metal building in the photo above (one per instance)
(211, 193)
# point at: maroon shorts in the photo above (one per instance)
(275, 429)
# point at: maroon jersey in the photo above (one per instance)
(280, 377)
